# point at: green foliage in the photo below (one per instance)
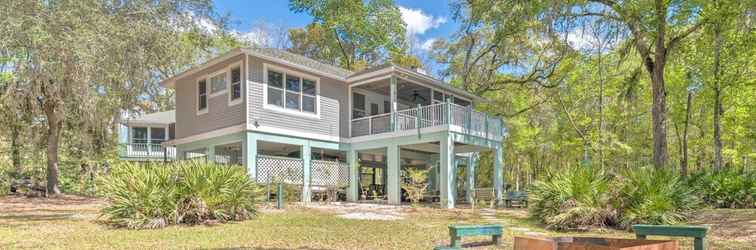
(191, 192)
(353, 34)
(576, 198)
(654, 196)
(729, 188)
(583, 197)
(416, 184)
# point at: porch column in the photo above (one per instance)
(447, 172)
(498, 176)
(306, 160)
(352, 191)
(392, 87)
(249, 149)
(392, 172)
(472, 165)
(210, 150)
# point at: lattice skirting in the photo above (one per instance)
(274, 169)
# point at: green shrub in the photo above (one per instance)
(651, 196)
(730, 188)
(189, 192)
(577, 198)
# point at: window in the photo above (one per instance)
(374, 109)
(275, 88)
(235, 83)
(139, 135)
(202, 95)
(358, 105)
(157, 135)
(386, 106)
(292, 92)
(218, 83)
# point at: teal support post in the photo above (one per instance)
(250, 154)
(352, 191)
(279, 196)
(472, 165)
(394, 107)
(306, 160)
(498, 173)
(392, 171)
(447, 172)
(210, 153)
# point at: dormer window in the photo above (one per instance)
(291, 91)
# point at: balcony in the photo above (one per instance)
(458, 118)
(146, 152)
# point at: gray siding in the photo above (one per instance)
(219, 114)
(334, 112)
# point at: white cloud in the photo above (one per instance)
(428, 44)
(418, 22)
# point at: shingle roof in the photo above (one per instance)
(301, 60)
(165, 117)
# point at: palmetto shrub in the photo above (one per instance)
(654, 196)
(729, 188)
(577, 198)
(190, 192)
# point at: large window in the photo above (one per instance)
(157, 135)
(235, 83)
(292, 92)
(218, 83)
(139, 135)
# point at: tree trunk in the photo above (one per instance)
(684, 161)
(658, 90)
(54, 124)
(718, 111)
(16, 149)
(659, 115)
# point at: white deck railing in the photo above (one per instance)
(146, 151)
(470, 121)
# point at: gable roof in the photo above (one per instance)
(299, 60)
(309, 64)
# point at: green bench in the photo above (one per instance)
(696, 232)
(456, 232)
(520, 197)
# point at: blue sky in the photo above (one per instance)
(426, 20)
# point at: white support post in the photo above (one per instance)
(392, 170)
(306, 163)
(249, 147)
(352, 160)
(447, 172)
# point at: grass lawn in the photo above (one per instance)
(72, 223)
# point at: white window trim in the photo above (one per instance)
(242, 80)
(284, 110)
(225, 74)
(207, 96)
